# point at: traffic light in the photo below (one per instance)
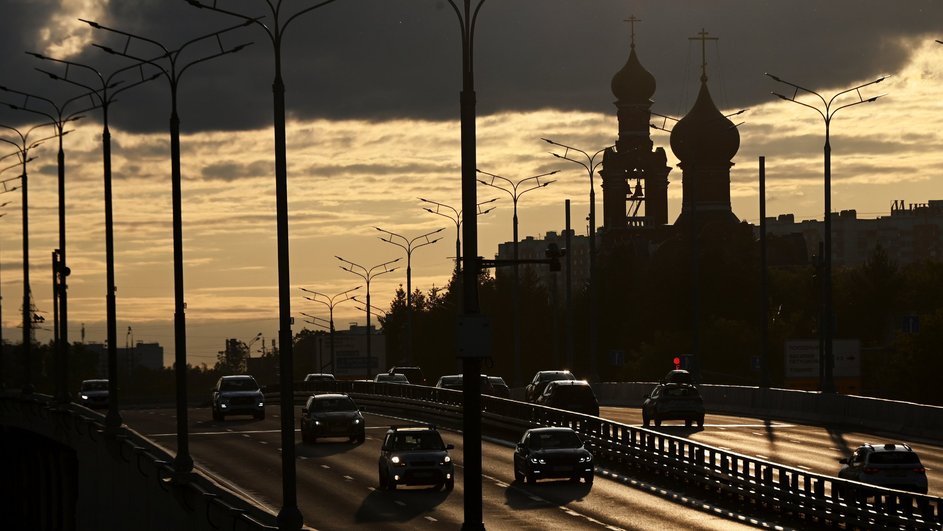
(677, 362)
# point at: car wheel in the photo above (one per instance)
(700, 422)
(588, 478)
(688, 422)
(528, 478)
(217, 416)
(450, 484)
(518, 476)
(657, 421)
(361, 438)
(382, 480)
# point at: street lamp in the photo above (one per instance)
(23, 146)
(590, 164)
(103, 95)
(172, 72)
(330, 302)
(827, 112)
(409, 245)
(515, 191)
(455, 216)
(367, 275)
(59, 118)
(289, 517)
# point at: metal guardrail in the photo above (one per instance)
(775, 487)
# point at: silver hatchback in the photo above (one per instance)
(894, 466)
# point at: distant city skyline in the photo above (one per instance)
(367, 139)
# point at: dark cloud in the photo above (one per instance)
(381, 59)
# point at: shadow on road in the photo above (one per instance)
(401, 505)
(549, 493)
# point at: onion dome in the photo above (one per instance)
(705, 134)
(633, 84)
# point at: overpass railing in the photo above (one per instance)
(775, 487)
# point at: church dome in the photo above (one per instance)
(705, 134)
(633, 84)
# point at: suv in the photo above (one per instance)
(396, 378)
(415, 455)
(893, 466)
(331, 415)
(536, 387)
(238, 395)
(552, 453)
(673, 401)
(456, 382)
(572, 395)
(413, 374)
(94, 393)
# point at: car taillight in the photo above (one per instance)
(920, 470)
(869, 470)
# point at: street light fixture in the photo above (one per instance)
(23, 147)
(409, 245)
(59, 118)
(330, 302)
(441, 209)
(827, 112)
(367, 275)
(515, 190)
(103, 95)
(172, 70)
(289, 517)
(589, 164)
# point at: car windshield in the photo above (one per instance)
(333, 404)
(894, 458)
(96, 385)
(680, 392)
(420, 440)
(393, 378)
(551, 376)
(239, 384)
(554, 439)
(497, 381)
(319, 378)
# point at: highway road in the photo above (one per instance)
(337, 480)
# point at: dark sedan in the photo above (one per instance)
(673, 401)
(331, 415)
(536, 386)
(546, 453)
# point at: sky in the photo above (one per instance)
(373, 104)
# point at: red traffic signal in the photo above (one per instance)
(677, 362)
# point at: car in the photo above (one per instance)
(892, 465)
(546, 453)
(456, 382)
(678, 376)
(238, 395)
(501, 388)
(415, 455)
(319, 377)
(384, 377)
(413, 374)
(572, 395)
(536, 386)
(331, 415)
(94, 393)
(673, 401)
(317, 381)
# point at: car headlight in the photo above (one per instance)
(537, 460)
(84, 397)
(224, 405)
(446, 460)
(395, 460)
(317, 422)
(586, 459)
(356, 421)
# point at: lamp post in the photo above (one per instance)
(827, 112)
(23, 146)
(590, 164)
(367, 275)
(514, 190)
(409, 245)
(249, 346)
(330, 302)
(449, 212)
(59, 118)
(107, 88)
(169, 65)
(289, 517)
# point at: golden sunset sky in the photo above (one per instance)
(373, 99)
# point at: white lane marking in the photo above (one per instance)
(246, 435)
(431, 519)
(803, 467)
(325, 467)
(348, 478)
(303, 457)
(264, 442)
(400, 503)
